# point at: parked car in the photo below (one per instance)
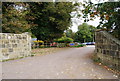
(89, 43)
(93, 43)
(84, 43)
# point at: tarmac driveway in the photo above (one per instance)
(72, 63)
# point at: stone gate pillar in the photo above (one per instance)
(107, 50)
(14, 45)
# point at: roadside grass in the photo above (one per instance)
(44, 51)
(37, 51)
(12, 59)
(96, 59)
(81, 45)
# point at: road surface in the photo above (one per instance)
(72, 63)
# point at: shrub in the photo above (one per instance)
(33, 36)
(64, 40)
(81, 45)
(38, 43)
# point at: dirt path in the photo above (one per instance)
(73, 63)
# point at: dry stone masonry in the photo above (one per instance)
(14, 45)
(108, 50)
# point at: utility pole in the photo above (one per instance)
(93, 36)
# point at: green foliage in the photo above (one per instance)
(14, 20)
(81, 45)
(33, 36)
(85, 33)
(46, 20)
(51, 19)
(61, 45)
(109, 13)
(70, 33)
(64, 40)
(96, 58)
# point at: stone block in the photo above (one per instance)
(10, 49)
(110, 47)
(114, 47)
(112, 53)
(4, 50)
(15, 45)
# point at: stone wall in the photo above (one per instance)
(108, 50)
(14, 45)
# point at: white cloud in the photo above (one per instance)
(95, 22)
(76, 22)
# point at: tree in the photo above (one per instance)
(69, 33)
(46, 21)
(52, 19)
(108, 13)
(14, 18)
(64, 39)
(85, 33)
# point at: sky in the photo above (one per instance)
(76, 22)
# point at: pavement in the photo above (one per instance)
(72, 63)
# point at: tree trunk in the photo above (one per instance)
(84, 40)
